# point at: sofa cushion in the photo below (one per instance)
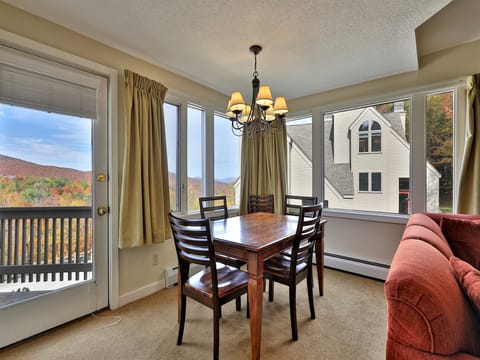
(469, 278)
(418, 231)
(464, 239)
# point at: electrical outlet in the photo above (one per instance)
(154, 259)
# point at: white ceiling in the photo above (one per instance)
(308, 46)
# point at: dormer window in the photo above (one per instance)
(370, 137)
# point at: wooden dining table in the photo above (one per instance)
(254, 238)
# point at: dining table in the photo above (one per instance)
(254, 238)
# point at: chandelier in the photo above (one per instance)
(263, 114)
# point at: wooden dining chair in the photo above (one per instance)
(293, 203)
(291, 269)
(215, 208)
(261, 203)
(214, 286)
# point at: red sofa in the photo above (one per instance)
(429, 315)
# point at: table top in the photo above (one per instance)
(255, 232)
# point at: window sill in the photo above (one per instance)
(366, 215)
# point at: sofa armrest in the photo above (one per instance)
(427, 309)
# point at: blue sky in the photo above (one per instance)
(45, 138)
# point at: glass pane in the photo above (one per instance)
(376, 181)
(194, 157)
(226, 161)
(45, 164)
(362, 142)
(363, 182)
(364, 126)
(376, 142)
(45, 158)
(376, 126)
(171, 113)
(344, 187)
(299, 157)
(439, 152)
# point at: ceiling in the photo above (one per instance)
(309, 46)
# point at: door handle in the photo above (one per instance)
(102, 210)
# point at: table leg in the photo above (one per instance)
(255, 302)
(319, 254)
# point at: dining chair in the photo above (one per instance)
(214, 286)
(291, 269)
(261, 203)
(215, 208)
(292, 203)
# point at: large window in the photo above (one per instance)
(439, 152)
(226, 161)
(366, 176)
(171, 113)
(299, 156)
(195, 156)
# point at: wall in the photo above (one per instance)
(137, 275)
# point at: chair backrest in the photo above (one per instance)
(293, 203)
(213, 207)
(193, 244)
(263, 203)
(307, 229)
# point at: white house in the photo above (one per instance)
(367, 163)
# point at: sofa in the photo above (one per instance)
(433, 289)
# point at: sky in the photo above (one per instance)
(65, 141)
(45, 138)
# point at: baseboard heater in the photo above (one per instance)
(171, 274)
(357, 266)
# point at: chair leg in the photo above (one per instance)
(310, 294)
(270, 290)
(183, 306)
(216, 332)
(238, 303)
(293, 311)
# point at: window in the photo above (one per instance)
(377, 181)
(369, 130)
(363, 182)
(439, 151)
(195, 156)
(299, 156)
(226, 161)
(171, 114)
(365, 178)
(354, 181)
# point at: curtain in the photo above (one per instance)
(144, 193)
(469, 185)
(264, 166)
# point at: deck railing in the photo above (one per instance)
(45, 243)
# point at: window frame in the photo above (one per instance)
(417, 142)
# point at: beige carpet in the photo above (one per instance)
(350, 324)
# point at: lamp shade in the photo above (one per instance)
(280, 106)
(236, 102)
(269, 115)
(264, 97)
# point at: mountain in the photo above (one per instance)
(16, 167)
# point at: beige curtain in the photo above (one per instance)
(264, 166)
(144, 194)
(469, 185)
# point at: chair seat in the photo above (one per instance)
(279, 266)
(230, 280)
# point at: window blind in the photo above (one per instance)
(22, 87)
